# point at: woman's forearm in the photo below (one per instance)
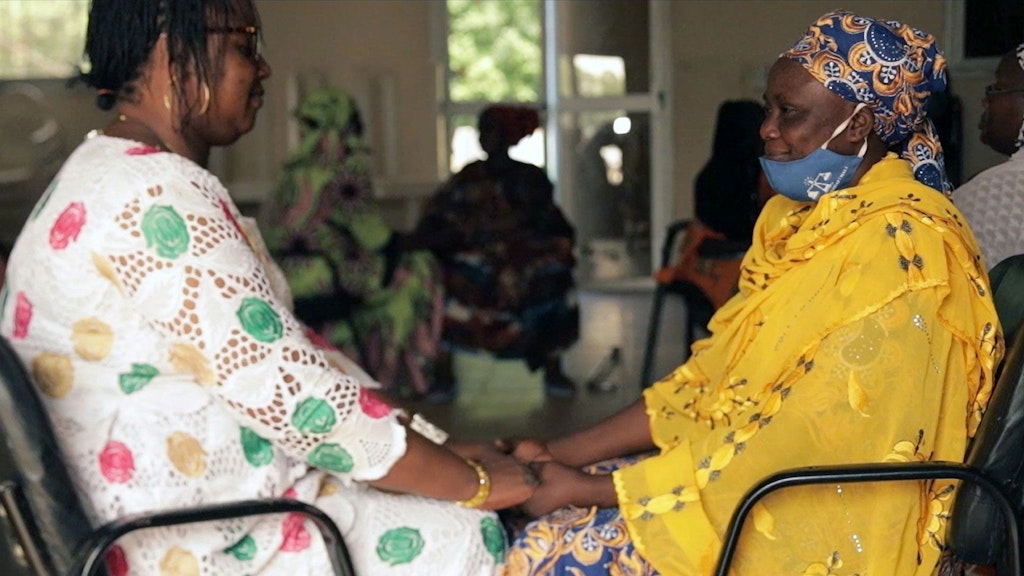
(627, 432)
(429, 470)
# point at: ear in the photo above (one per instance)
(861, 125)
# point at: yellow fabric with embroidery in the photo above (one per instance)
(863, 332)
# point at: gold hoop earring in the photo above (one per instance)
(206, 99)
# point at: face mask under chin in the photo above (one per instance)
(820, 172)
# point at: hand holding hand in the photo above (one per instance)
(512, 482)
(563, 486)
(526, 450)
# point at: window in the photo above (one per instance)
(485, 68)
(41, 39)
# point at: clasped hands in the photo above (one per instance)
(524, 473)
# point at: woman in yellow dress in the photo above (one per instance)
(863, 331)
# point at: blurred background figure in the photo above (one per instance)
(507, 254)
(351, 281)
(728, 194)
(993, 201)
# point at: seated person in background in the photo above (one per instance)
(349, 277)
(729, 193)
(158, 333)
(863, 331)
(507, 254)
(993, 201)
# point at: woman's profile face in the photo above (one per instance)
(236, 81)
(800, 113)
(1004, 110)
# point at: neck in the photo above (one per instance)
(127, 125)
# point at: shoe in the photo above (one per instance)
(559, 386)
(441, 394)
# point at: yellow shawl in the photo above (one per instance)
(863, 332)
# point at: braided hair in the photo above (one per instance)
(122, 33)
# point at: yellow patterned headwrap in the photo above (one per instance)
(890, 67)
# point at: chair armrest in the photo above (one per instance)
(880, 472)
(93, 551)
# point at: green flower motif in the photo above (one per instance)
(244, 549)
(257, 449)
(259, 320)
(494, 538)
(137, 379)
(43, 200)
(166, 231)
(331, 457)
(399, 546)
(313, 415)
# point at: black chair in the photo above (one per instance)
(698, 308)
(47, 530)
(985, 523)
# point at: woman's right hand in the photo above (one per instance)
(512, 482)
(525, 450)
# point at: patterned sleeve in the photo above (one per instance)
(177, 251)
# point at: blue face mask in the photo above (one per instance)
(818, 173)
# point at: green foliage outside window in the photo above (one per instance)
(41, 38)
(494, 50)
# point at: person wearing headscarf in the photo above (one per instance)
(863, 331)
(993, 201)
(507, 254)
(350, 279)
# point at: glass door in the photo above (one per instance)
(606, 88)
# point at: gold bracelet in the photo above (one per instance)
(483, 490)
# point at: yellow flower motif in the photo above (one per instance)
(93, 338)
(855, 394)
(186, 454)
(106, 269)
(186, 358)
(179, 562)
(53, 374)
(764, 522)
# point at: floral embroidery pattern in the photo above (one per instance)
(68, 225)
(165, 231)
(400, 546)
(371, 405)
(244, 549)
(331, 457)
(258, 451)
(259, 320)
(22, 315)
(296, 537)
(140, 375)
(117, 463)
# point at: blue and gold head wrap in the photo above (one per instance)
(890, 67)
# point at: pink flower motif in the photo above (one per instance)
(231, 218)
(296, 537)
(291, 494)
(67, 226)
(116, 462)
(22, 316)
(317, 340)
(117, 564)
(371, 405)
(142, 150)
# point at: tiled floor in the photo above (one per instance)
(502, 398)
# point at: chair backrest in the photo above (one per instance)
(38, 480)
(977, 534)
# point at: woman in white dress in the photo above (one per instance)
(160, 337)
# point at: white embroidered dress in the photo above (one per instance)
(175, 374)
(993, 204)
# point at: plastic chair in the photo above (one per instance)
(985, 523)
(699, 308)
(47, 530)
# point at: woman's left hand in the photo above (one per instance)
(562, 486)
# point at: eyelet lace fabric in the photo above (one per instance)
(159, 334)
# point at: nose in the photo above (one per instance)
(263, 69)
(769, 128)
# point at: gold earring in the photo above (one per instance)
(206, 99)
